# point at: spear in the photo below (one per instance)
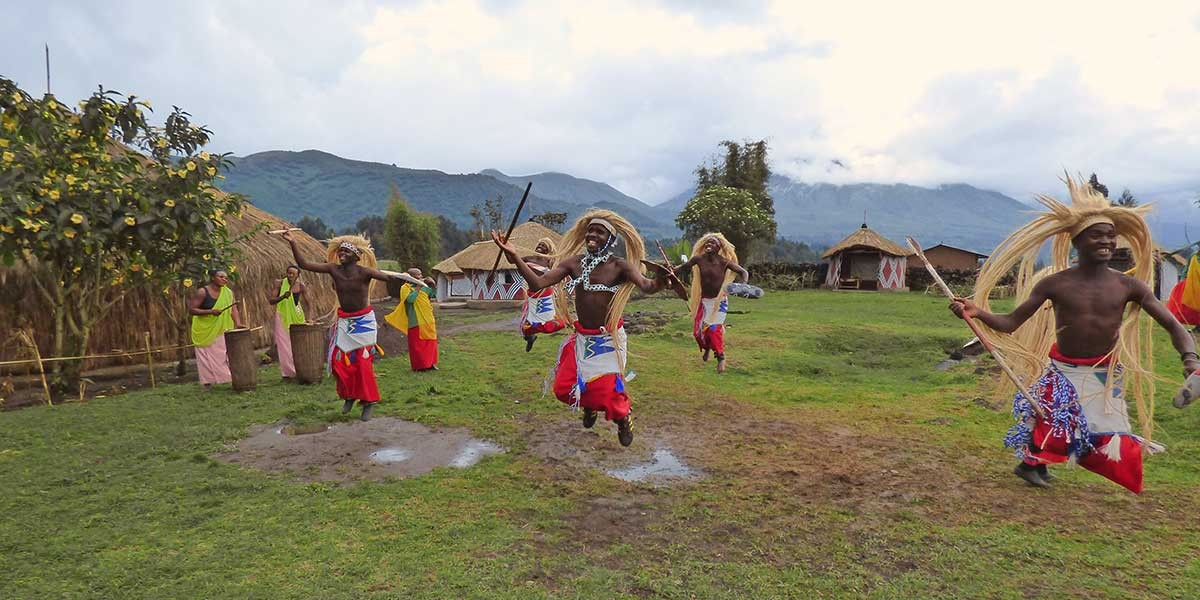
(492, 275)
(1012, 376)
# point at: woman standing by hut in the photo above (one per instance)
(213, 313)
(288, 312)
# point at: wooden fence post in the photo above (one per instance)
(150, 360)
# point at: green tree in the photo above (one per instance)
(489, 215)
(96, 202)
(744, 167)
(315, 227)
(1094, 182)
(452, 238)
(553, 220)
(372, 228)
(731, 211)
(412, 236)
(1127, 200)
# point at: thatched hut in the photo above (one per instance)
(464, 275)
(264, 258)
(865, 260)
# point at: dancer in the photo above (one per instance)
(1093, 338)
(540, 311)
(213, 313)
(287, 314)
(714, 266)
(591, 363)
(352, 343)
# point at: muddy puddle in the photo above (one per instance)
(378, 449)
(663, 468)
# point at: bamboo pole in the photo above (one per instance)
(37, 355)
(114, 353)
(1016, 379)
(150, 361)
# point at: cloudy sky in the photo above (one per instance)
(636, 94)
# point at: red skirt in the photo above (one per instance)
(354, 372)
(605, 393)
(422, 354)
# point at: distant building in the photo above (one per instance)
(866, 260)
(464, 276)
(1168, 268)
(943, 257)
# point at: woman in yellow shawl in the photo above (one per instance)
(288, 312)
(414, 316)
(213, 313)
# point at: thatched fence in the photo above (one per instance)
(263, 260)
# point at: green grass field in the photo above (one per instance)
(839, 463)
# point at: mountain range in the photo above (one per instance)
(341, 191)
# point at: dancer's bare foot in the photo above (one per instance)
(721, 365)
(705, 357)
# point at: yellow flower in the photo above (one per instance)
(7, 156)
(181, 172)
(233, 269)
(16, 98)
(204, 156)
(6, 228)
(76, 269)
(71, 179)
(187, 282)
(161, 143)
(37, 209)
(130, 221)
(211, 171)
(135, 267)
(3, 143)
(76, 218)
(55, 195)
(169, 203)
(207, 257)
(84, 185)
(191, 165)
(73, 133)
(70, 233)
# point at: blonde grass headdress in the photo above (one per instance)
(1028, 347)
(358, 245)
(635, 250)
(727, 251)
(549, 244)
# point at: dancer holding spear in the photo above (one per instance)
(1086, 354)
(591, 364)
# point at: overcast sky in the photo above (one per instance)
(1002, 96)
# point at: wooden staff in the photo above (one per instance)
(492, 275)
(916, 248)
(150, 360)
(278, 231)
(670, 269)
(232, 305)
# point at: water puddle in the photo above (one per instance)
(302, 429)
(474, 451)
(663, 465)
(389, 456)
(946, 364)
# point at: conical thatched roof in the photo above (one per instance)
(264, 258)
(447, 267)
(866, 239)
(481, 256)
(1159, 251)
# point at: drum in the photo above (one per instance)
(308, 351)
(243, 364)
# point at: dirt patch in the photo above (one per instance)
(378, 449)
(646, 321)
(507, 323)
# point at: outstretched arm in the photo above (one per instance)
(736, 268)
(300, 262)
(533, 280)
(390, 276)
(1005, 323)
(634, 274)
(1180, 338)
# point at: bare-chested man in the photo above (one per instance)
(539, 314)
(714, 266)
(591, 365)
(352, 346)
(1095, 356)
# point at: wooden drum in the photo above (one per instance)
(308, 351)
(243, 364)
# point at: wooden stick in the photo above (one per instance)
(233, 305)
(119, 353)
(511, 224)
(670, 267)
(150, 360)
(37, 356)
(278, 231)
(1021, 389)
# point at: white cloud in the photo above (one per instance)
(636, 94)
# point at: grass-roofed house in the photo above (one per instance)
(865, 260)
(464, 276)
